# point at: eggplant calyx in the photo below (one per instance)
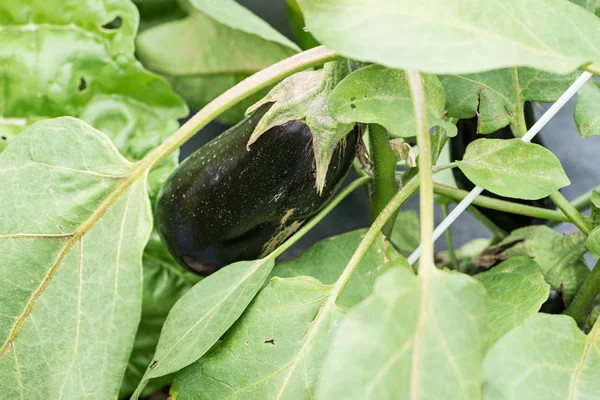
(303, 97)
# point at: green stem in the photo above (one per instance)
(584, 201)
(500, 205)
(583, 301)
(385, 186)
(317, 218)
(571, 212)
(497, 233)
(390, 209)
(426, 263)
(448, 236)
(438, 168)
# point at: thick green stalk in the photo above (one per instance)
(583, 301)
(500, 205)
(571, 212)
(426, 264)
(385, 186)
(389, 210)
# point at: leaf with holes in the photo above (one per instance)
(204, 314)
(414, 338)
(71, 242)
(546, 358)
(513, 168)
(230, 43)
(277, 348)
(516, 290)
(268, 353)
(79, 62)
(457, 36)
(375, 94)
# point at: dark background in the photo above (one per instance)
(578, 157)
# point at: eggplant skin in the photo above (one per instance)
(467, 133)
(225, 203)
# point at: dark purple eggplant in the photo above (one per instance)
(467, 133)
(226, 203)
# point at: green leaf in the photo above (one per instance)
(232, 14)
(587, 109)
(89, 71)
(229, 43)
(300, 316)
(593, 241)
(268, 353)
(155, 12)
(546, 358)
(516, 291)
(164, 283)
(204, 314)
(413, 338)
(71, 272)
(327, 259)
(513, 168)
(375, 94)
(457, 36)
(560, 257)
(304, 39)
(497, 97)
(405, 235)
(303, 96)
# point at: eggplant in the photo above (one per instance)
(227, 203)
(467, 133)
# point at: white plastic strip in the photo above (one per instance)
(535, 129)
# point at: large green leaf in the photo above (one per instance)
(457, 36)
(547, 358)
(375, 94)
(327, 259)
(164, 283)
(497, 97)
(70, 287)
(284, 335)
(212, 49)
(560, 257)
(405, 235)
(70, 61)
(204, 314)
(516, 290)
(414, 338)
(513, 168)
(268, 353)
(587, 110)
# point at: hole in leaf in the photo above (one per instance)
(270, 341)
(3, 138)
(114, 24)
(82, 84)
(352, 105)
(352, 98)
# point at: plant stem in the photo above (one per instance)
(583, 301)
(438, 168)
(571, 212)
(448, 236)
(390, 209)
(500, 205)
(584, 201)
(317, 218)
(497, 233)
(385, 186)
(426, 264)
